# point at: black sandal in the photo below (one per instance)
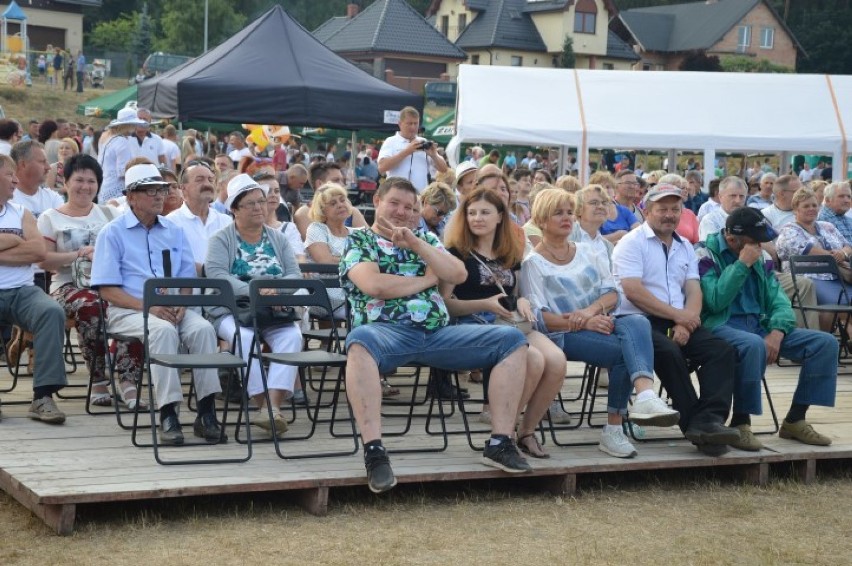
(536, 451)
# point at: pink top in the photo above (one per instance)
(688, 226)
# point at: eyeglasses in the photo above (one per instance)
(252, 204)
(153, 190)
(438, 211)
(595, 203)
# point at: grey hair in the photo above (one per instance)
(732, 180)
(829, 191)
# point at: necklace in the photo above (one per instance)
(552, 252)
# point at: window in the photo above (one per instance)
(646, 66)
(743, 38)
(517, 61)
(462, 22)
(608, 67)
(767, 38)
(445, 25)
(474, 59)
(585, 16)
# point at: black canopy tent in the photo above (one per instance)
(275, 72)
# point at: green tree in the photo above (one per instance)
(116, 35)
(142, 40)
(698, 60)
(567, 60)
(183, 25)
(741, 64)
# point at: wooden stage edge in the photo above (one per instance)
(51, 470)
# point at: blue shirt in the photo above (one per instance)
(127, 253)
(81, 63)
(840, 221)
(624, 221)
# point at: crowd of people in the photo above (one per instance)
(502, 272)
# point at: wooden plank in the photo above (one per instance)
(564, 485)
(314, 501)
(805, 470)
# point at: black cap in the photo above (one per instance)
(750, 222)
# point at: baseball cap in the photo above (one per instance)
(662, 191)
(750, 222)
(141, 175)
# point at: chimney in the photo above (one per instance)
(351, 10)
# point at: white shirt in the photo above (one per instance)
(777, 217)
(43, 199)
(197, 232)
(12, 222)
(237, 154)
(707, 208)
(5, 147)
(172, 153)
(150, 148)
(415, 167)
(712, 223)
(641, 254)
(806, 175)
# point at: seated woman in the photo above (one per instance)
(55, 177)
(809, 236)
(246, 250)
(266, 178)
(592, 203)
(572, 292)
(485, 239)
(437, 202)
(70, 232)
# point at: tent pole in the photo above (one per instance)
(838, 173)
(709, 168)
(672, 161)
(784, 162)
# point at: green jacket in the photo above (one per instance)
(721, 281)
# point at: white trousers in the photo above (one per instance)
(282, 340)
(194, 332)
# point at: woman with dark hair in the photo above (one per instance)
(486, 240)
(70, 232)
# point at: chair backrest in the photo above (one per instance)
(165, 292)
(816, 265)
(313, 295)
(328, 273)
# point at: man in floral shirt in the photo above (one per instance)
(391, 275)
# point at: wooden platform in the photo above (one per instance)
(52, 469)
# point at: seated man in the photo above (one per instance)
(25, 304)
(745, 305)
(398, 318)
(128, 251)
(658, 271)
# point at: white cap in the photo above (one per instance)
(141, 175)
(127, 117)
(464, 168)
(239, 185)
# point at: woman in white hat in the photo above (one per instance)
(114, 151)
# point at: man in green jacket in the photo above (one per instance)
(744, 304)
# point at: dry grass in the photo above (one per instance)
(40, 102)
(682, 521)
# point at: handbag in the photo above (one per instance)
(266, 317)
(510, 303)
(81, 272)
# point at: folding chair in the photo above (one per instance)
(804, 265)
(301, 293)
(156, 293)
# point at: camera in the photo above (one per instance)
(426, 145)
(508, 302)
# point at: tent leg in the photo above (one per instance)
(709, 168)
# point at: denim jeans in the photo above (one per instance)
(457, 347)
(817, 351)
(628, 354)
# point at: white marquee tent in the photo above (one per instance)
(705, 112)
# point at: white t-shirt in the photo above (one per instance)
(293, 237)
(70, 233)
(12, 222)
(707, 208)
(415, 167)
(806, 175)
(238, 154)
(44, 199)
(151, 147)
(712, 223)
(172, 152)
(197, 232)
(777, 217)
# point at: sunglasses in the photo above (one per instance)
(153, 190)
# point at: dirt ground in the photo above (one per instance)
(627, 519)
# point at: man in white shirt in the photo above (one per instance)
(406, 155)
(806, 174)
(31, 169)
(171, 150)
(148, 145)
(198, 220)
(238, 142)
(732, 195)
(10, 132)
(780, 213)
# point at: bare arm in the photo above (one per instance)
(321, 253)
(462, 307)
(117, 297)
(367, 277)
(30, 249)
(358, 220)
(391, 161)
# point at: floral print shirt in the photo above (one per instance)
(794, 240)
(256, 260)
(425, 309)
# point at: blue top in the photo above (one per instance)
(842, 222)
(127, 253)
(81, 63)
(624, 221)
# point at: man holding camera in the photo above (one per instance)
(406, 155)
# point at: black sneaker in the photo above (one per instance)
(170, 431)
(711, 433)
(380, 476)
(506, 457)
(208, 428)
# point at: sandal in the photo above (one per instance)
(134, 401)
(102, 398)
(530, 445)
(389, 390)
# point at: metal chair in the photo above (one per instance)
(804, 265)
(156, 293)
(301, 293)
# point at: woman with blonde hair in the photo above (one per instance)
(437, 202)
(568, 183)
(591, 204)
(55, 177)
(484, 239)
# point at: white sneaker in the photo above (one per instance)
(614, 443)
(558, 414)
(653, 412)
(603, 378)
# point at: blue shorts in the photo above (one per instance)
(457, 347)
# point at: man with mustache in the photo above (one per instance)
(658, 272)
(197, 218)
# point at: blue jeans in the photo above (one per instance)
(817, 351)
(458, 347)
(628, 353)
(827, 291)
